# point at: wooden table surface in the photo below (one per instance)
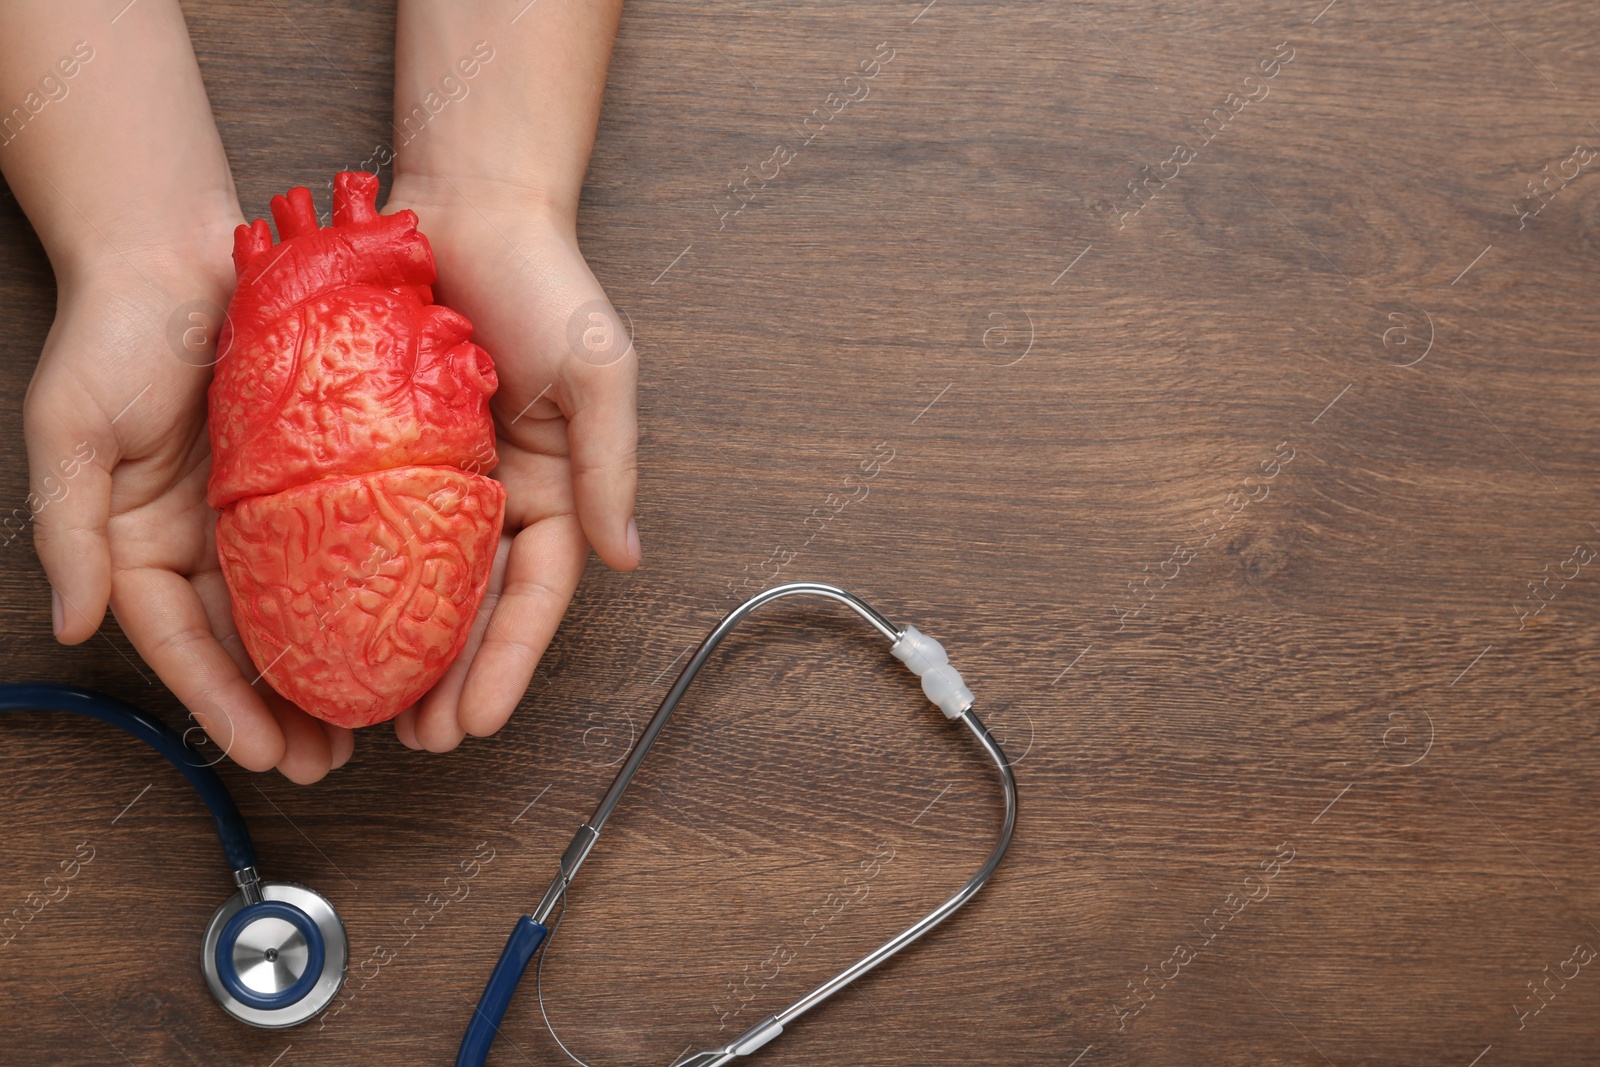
(1240, 447)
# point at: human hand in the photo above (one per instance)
(118, 460)
(115, 415)
(566, 426)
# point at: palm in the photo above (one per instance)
(564, 421)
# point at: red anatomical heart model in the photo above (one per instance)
(350, 429)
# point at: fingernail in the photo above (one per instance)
(633, 541)
(55, 610)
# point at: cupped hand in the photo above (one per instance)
(566, 425)
(115, 422)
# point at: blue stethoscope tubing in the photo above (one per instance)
(231, 830)
(943, 686)
(262, 916)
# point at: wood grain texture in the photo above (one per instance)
(1328, 660)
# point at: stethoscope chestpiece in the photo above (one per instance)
(277, 960)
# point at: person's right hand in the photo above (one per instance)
(115, 420)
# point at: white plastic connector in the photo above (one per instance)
(918, 651)
(941, 682)
(944, 687)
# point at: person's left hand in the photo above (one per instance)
(566, 425)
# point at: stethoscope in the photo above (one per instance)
(943, 686)
(274, 953)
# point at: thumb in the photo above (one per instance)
(598, 398)
(69, 499)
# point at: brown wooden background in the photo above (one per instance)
(1350, 640)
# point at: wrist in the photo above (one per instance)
(192, 252)
(494, 200)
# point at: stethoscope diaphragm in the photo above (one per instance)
(278, 961)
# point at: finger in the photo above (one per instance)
(438, 730)
(69, 497)
(405, 728)
(163, 616)
(537, 488)
(603, 437)
(539, 426)
(307, 753)
(542, 571)
(212, 589)
(438, 724)
(341, 744)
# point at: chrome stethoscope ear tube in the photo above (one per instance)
(943, 686)
(274, 953)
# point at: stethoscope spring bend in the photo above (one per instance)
(943, 685)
